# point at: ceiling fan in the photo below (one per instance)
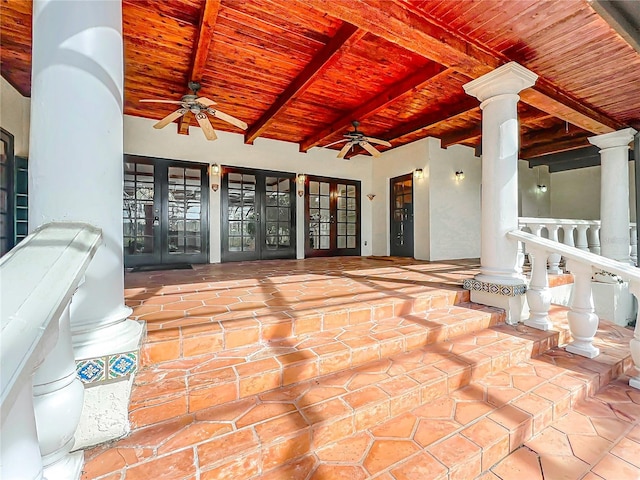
(200, 107)
(356, 137)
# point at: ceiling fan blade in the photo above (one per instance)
(170, 118)
(345, 149)
(369, 148)
(377, 141)
(175, 102)
(205, 101)
(335, 143)
(227, 118)
(206, 126)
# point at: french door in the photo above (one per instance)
(401, 230)
(165, 212)
(258, 215)
(332, 217)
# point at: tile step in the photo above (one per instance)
(189, 385)
(262, 434)
(182, 327)
(471, 430)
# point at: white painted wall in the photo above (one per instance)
(14, 117)
(533, 202)
(391, 164)
(140, 138)
(576, 193)
(454, 204)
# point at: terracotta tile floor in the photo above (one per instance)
(321, 372)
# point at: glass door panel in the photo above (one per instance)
(332, 217)
(258, 213)
(165, 212)
(401, 216)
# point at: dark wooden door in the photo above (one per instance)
(332, 217)
(401, 194)
(165, 216)
(258, 215)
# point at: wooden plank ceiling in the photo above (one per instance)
(302, 70)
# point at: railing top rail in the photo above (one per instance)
(557, 221)
(38, 279)
(561, 221)
(627, 272)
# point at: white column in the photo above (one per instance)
(76, 147)
(498, 92)
(614, 193)
(633, 232)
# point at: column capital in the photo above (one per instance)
(510, 78)
(619, 138)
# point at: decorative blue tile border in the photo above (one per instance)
(106, 368)
(495, 288)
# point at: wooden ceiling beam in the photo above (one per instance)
(553, 147)
(395, 23)
(432, 119)
(408, 84)
(202, 45)
(462, 136)
(343, 40)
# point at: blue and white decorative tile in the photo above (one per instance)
(122, 364)
(495, 288)
(91, 370)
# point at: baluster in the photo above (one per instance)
(19, 449)
(538, 293)
(594, 239)
(634, 345)
(583, 322)
(58, 397)
(633, 232)
(581, 237)
(554, 258)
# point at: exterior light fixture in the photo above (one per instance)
(418, 173)
(214, 175)
(371, 196)
(459, 175)
(542, 188)
(301, 179)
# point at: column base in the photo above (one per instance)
(614, 302)
(634, 382)
(508, 296)
(584, 349)
(106, 336)
(67, 468)
(105, 414)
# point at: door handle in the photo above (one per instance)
(156, 220)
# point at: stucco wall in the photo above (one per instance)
(394, 163)
(14, 117)
(454, 204)
(576, 193)
(141, 138)
(533, 202)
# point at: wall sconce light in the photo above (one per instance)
(301, 179)
(214, 175)
(459, 175)
(371, 196)
(418, 173)
(542, 188)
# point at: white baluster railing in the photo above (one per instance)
(41, 398)
(583, 322)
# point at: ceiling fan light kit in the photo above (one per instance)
(201, 107)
